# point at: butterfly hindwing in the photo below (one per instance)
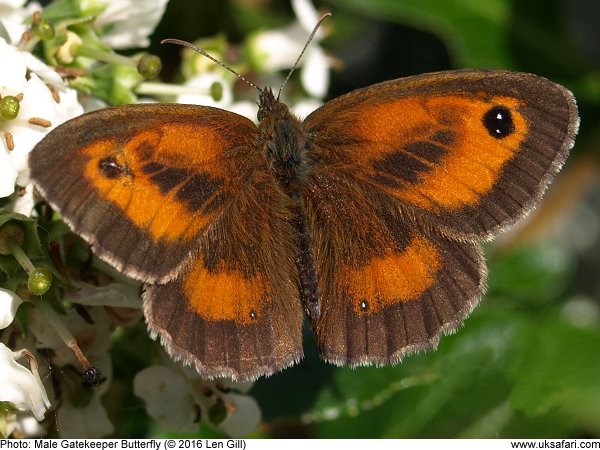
(386, 287)
(234, 311)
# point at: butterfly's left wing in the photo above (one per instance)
(179, 197)
(409, 176)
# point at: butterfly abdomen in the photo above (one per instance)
(307, 272)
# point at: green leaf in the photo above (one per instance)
(487, 34)
(532, 274)
(111, 82)
(455, 21)
(557, 368)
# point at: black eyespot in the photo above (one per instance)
(111, 168)
(364, 306)
(498, 122)
(253, 315)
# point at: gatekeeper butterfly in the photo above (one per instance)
(368, 216)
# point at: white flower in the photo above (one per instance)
(20, 386)
(303, 108)
(90, 421)
(9, 302)
(128, 23)
(23, 202)
(18, 136)
(13, 14)
(278, 49)
(176, 397)
(169, 398)
(244, 416)
(22, 425)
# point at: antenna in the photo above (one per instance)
(308, 41)
(241, 77)
(213, 59)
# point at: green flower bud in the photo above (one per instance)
(149, 66)
(43, 30)
(216, 91)
(39, 281)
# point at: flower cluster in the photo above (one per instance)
(58, 322)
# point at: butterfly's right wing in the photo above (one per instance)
(408, 176)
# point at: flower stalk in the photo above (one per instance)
(64, 333)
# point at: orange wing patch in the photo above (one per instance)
(226, 295)
(447, 159)
(160, 187)
(393, 278)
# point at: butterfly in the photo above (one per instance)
(367, 217)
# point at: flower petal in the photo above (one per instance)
(8, 174)
(315, 72)
(13, 15)
(244, 419)
(277, 49)
(24, 202)
(303, 108)
(20, 386)
(9, 302)
(169, 398)
(130, 22)
(89, 421)
(307, 15)
(14, 67)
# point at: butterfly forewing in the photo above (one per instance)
(141, 183)
(464, 152)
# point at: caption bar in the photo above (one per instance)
(151, 444)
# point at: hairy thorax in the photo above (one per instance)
(284, 143)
